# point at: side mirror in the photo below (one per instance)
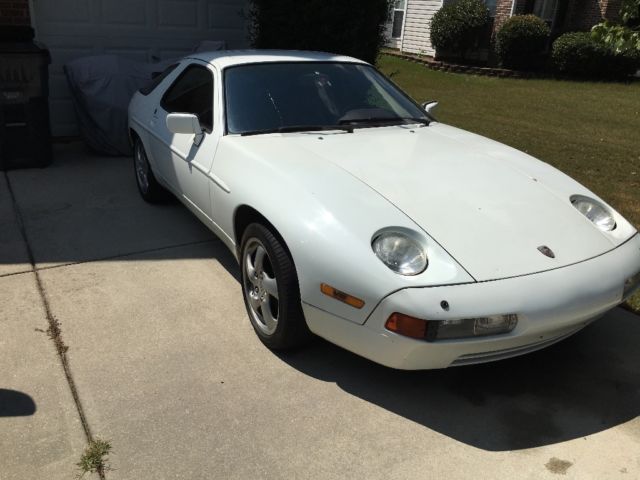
(186, 124)
(430, 106)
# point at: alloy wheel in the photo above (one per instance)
(260, 286)
(142, 167)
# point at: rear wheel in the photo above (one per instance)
(270, 290)
(148, 186)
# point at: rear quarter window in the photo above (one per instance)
(157, 79)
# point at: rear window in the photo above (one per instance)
(157, 79)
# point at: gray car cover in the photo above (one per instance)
(101, 88)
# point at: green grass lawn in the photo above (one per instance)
(589, 130)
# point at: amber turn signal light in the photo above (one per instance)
(406, 325)
(341, 296)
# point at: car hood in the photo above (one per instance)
(489, 206)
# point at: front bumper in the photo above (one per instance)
(550, 305)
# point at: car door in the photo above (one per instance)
(187, 170)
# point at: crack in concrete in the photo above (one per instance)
(52, 321)
(12, 274)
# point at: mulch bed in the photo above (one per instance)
(433, 64)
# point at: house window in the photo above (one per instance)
(491, 5)
(399, 7)
(545, 9)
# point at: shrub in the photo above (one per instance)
(522, 41)
(458, 27)
(355, 27)
(622, 37)
(580, 55)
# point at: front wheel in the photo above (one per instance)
(270, 290)
(148, 186)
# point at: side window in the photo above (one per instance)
(192, 92)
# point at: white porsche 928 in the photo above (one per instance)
(356, 216)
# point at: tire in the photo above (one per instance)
(149, 188)
(270, 290)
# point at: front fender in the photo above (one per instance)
(327, 219)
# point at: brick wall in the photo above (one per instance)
(14, 12)
(584, 14)
(578, 14)
(611, 9)
(503, 12)
(504, 8)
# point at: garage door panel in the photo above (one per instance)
(181, 14)
(63, 118)
(62, 55)
(64, 11)
(143, 30)
(58, 82)
(170, 54)
(131, 54)
(133, 12)
(240, 5)
(224, 16)
(235, 37)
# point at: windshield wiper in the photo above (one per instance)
(384, 121)
(299, 128)
(423, 121)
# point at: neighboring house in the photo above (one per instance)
(409, 27)
(142, 30)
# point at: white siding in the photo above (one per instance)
(417, 26)
(392, 42)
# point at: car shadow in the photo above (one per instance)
(85, 208)
(15, 404)
(579, 387)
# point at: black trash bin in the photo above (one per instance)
(25, 137)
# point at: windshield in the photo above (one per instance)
(272, 97)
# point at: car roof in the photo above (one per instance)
(229, 58)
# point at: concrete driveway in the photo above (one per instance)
(162, 362)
